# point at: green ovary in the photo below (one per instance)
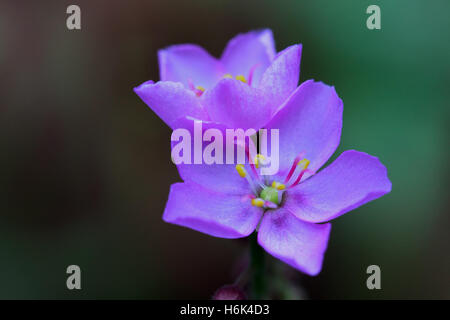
(270, 194)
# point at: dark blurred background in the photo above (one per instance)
(85, 165)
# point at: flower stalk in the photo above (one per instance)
(257, 266)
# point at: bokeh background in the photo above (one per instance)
(85, 165)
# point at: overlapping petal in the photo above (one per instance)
(189, 64)
(300, 244)
(219, 177)
(310, 121)
(170, 101)
(237, 105)
(352, 180)
(217, 214)
(281, 77)
(247, 50)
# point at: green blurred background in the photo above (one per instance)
(85, 165)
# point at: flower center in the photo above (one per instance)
(199, 90)
(270, 194)
(269, 197)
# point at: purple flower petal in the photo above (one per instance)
(281, 77)
(237, 105)
(170, 101)
(189, 64)
(352, 180)
(310, 121)
(219, 177)
(300, 244)
(246, 50)
(217, 214)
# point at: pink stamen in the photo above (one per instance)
(297, 181)
(191, 84)
(252, 165)
(294, 165)
(250, 75)
(247, 197)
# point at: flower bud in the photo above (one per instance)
(229, 292)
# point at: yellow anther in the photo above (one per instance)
(228, 76)
(257, 202)
(241, 78)
(240, 169)
(304, 163)
(200, 88)
(278, 186)
(259, 157)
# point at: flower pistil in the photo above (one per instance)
(269, 196)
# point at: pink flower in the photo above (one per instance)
(242, 89)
